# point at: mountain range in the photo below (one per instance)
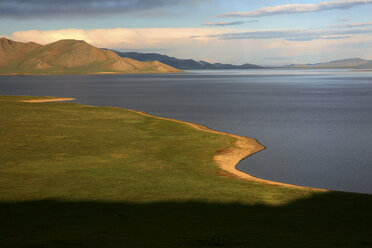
(190, 64)
(343, 63)
(69, 57)
(183, 64)
(78, 57)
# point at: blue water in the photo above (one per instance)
(316, 124)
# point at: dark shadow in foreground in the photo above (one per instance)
(325, 220)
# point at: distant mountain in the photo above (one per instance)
(183, 64)
(69, 57)
(344, 63)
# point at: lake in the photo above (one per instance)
(316, 124)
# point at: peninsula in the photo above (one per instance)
(78, 175)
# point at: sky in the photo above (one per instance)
(264, 32)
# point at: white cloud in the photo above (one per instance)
(298, 8)
(223, 24)
(130, 38)
(222, 45)
(353, 25)
(293, 35)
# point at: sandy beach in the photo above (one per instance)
(59, 99)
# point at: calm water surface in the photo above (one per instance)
(317, 124)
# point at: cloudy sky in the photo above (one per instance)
(265, 32)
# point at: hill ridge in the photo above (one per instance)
(183, 64)
(69, 56)
(339, 63)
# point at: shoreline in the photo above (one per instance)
(227, 159)
(90, 73)
(59, 99)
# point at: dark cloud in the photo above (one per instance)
(293, 35)
(223, 24)
(66, 8)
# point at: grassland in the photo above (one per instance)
(81, 176)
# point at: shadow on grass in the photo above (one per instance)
(326, 220)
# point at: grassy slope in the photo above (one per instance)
(69, 57)
(82, 176)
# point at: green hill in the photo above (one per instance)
(69, 57)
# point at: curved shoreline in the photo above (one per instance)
(227, 159)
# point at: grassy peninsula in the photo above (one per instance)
(73, 175)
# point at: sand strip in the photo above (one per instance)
(228, 159)
(60, 99)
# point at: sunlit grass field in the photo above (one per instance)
(73, 175)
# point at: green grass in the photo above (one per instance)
(57, 70)
(81, 176)
(93, 68)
